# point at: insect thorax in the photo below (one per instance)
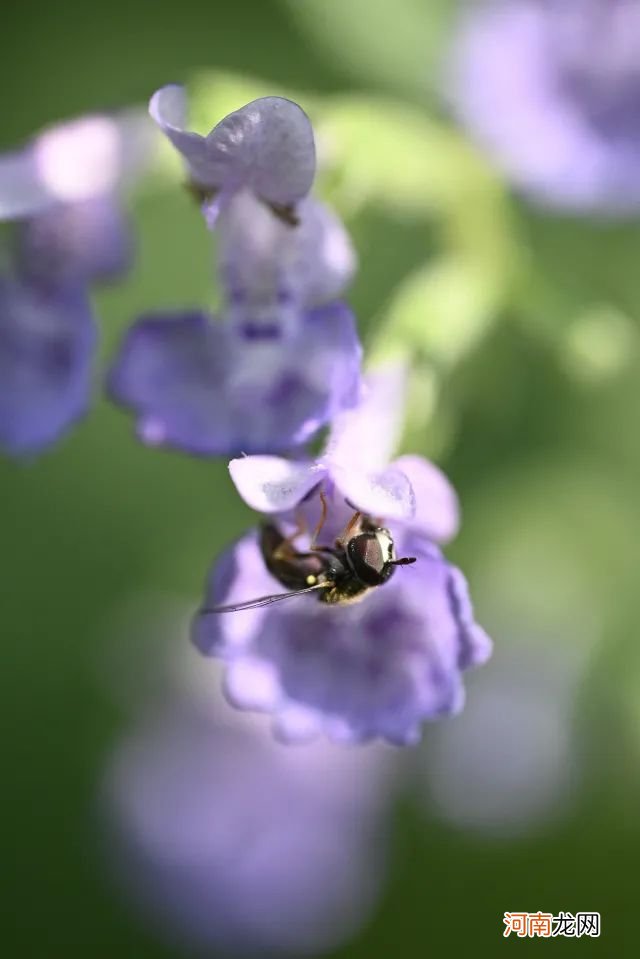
(348, 591)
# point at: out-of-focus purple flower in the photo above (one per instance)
(281, 361)
(227, 841)
(62, 188)
(89, 240)
(552, 89)
(47, 340)
(73, 161)
(266, 146)
(69, 229)
(512, 761)
(374, 668)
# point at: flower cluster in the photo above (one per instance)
(376, 650)
(283, 359)
(392, 657)
(283, 356)
(552, 89)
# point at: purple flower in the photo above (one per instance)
(89, 240)
(69, 230)
(62, 189)
(507, 778)
(267, 146)
(552, 89)
(281, 361)
(226, 840)
(378, 667)
(47, 341)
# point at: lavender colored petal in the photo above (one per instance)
(387, 493)
(90, 156)
(280, 390)
(475, 646)
(167, 371)
(195, 385)
(75, 161)
(330, 353)
(361, 443)
(47, 341)
(85, 241)
(267, 146)
(326, 260)
(238, 575)
(259, 689)
(364, 438)
(271, 484)
(168, 108)
(263, 259)
(437, 512)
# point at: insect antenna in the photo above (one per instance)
(262, 600)
(403, 561)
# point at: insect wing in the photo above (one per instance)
(261, 601)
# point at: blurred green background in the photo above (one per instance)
(523, 329)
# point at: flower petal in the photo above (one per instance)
(47, 341)
(75, 161)
(437, 513)
(196, 385)
(83, 241)
(251, 683)
(264, 260)
(267, 145)
(330, 352)
(168, 370)
(475, 646)
(386, 494)
(294, 723)
(325, 259)
(168, 108)
(237, 576)
(364, 438)
(271, 484)
(89, 156)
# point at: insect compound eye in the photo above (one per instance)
(369, 555)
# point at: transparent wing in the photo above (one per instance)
(261, 600)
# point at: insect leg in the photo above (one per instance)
(345, 535)
(320, 523)
(284, 549)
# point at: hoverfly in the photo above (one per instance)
(363, 557)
